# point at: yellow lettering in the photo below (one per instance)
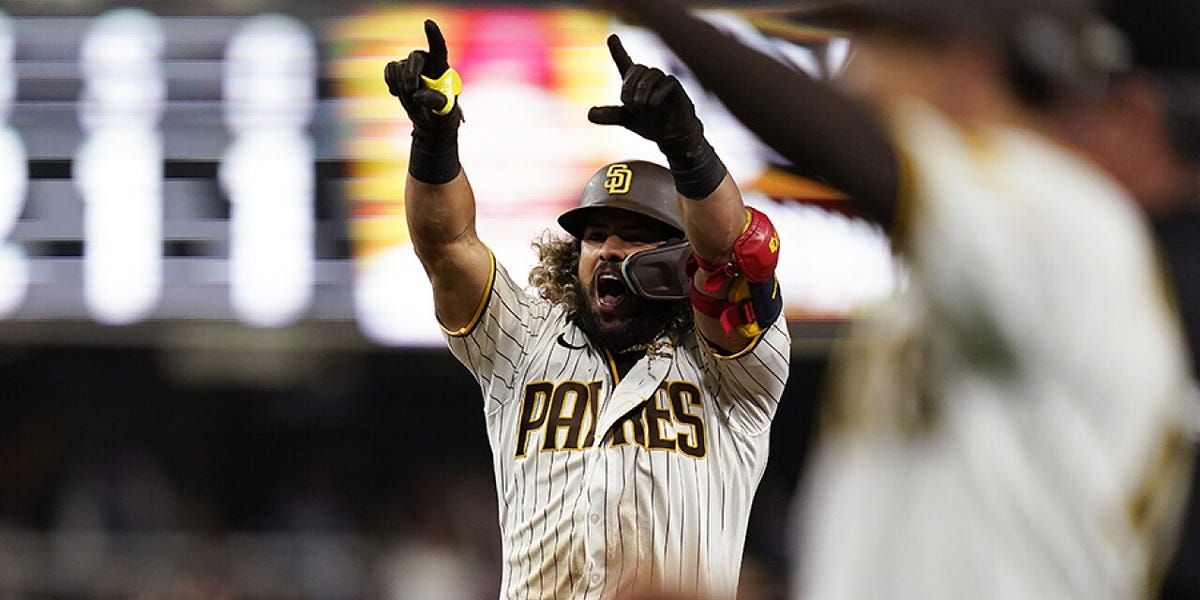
(618, 177)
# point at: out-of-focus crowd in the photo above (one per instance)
(122, 478)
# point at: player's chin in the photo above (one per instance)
(616, 334)
(613, 325)
(638, 322)
(609, 316)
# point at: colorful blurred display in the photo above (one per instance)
(251, 169)
(531, 75)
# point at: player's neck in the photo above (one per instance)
(624, 361)
(626, 358)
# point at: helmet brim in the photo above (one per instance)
(575, 220)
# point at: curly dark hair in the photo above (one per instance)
(556, 277)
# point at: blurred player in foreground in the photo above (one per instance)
(1010, 425)
(1147, 134)
(629, 400)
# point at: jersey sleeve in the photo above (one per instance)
(747, 385)
(492, 344)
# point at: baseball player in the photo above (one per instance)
(629, 399)
(1010, 424)
(1147, 134)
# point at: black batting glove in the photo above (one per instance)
(410, 80)
(428, 90)
(656, 107)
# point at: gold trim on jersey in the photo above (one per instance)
(906, 199)
(1156, 503)
(719, 354)
(612, 367)
(483, 302)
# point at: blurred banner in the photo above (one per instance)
(251, 169)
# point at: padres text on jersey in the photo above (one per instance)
(607, 483)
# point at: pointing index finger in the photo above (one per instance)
(437, 43)
(619, 55)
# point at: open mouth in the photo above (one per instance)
(610, 289)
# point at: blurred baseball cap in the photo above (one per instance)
(1164, 35)
(986, 16)
(1164, 38)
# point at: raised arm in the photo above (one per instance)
(724, 233)
(655, 106)
(819, 130)
(439, 204)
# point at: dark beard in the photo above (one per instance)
(652, 319)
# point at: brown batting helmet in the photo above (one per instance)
(636, 186)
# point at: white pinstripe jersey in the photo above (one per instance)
(607, 484)
(1011, 425)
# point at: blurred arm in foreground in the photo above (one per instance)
(1010, 424)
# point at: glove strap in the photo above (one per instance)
(697, 171)
(717, 274)
(735, 312)
(433, 159)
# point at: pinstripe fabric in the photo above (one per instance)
(608, 484)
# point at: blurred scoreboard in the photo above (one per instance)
(250, 169)
(169, 168)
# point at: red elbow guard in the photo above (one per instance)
(756, 251)
(755, 255)
(752, 301)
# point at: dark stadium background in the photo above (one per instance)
(378, 444)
